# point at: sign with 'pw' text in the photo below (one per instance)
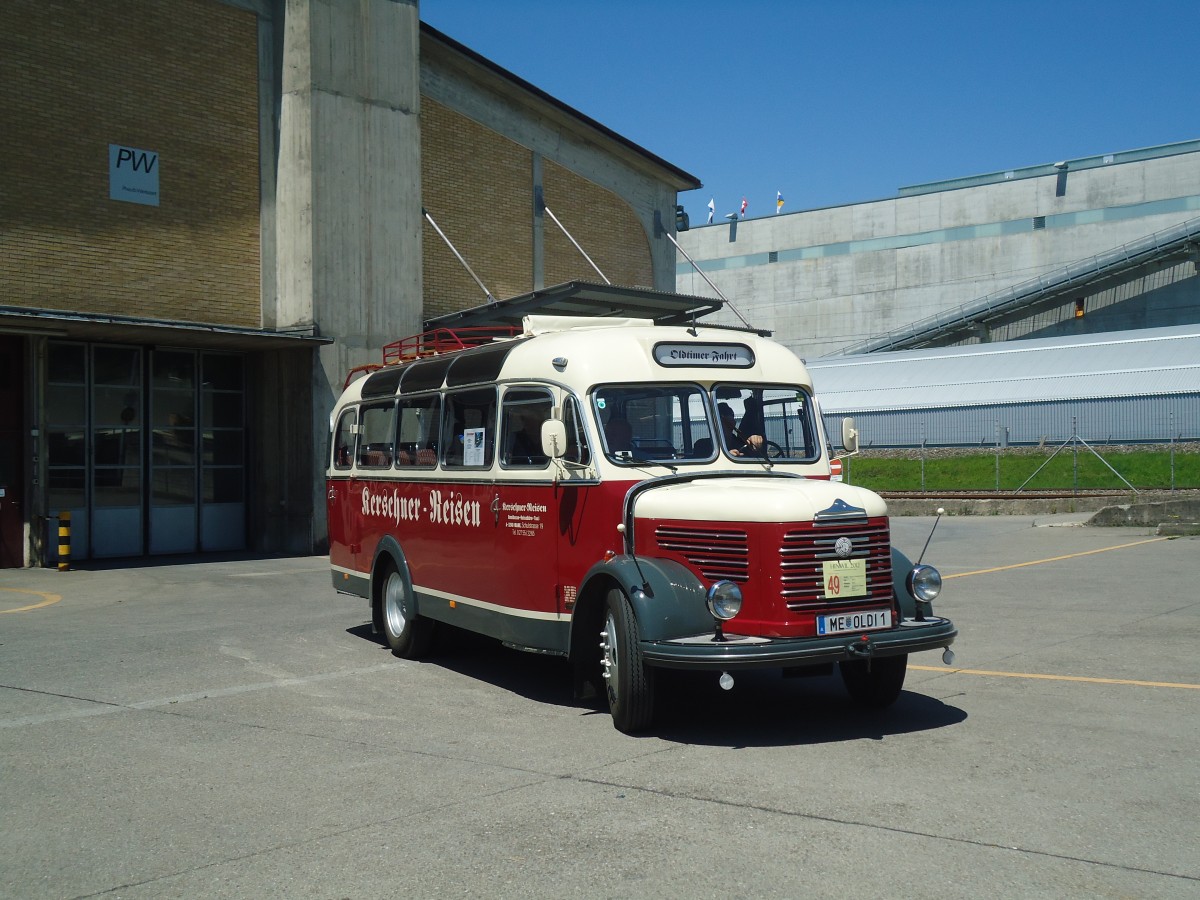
(132, 175)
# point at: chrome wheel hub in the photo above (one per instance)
(609, 661)
(393, 605)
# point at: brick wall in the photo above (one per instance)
(603, 224)
(178, 78)
(478, 186)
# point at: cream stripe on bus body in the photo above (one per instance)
(470, 601)
(493, 607)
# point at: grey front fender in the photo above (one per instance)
(667, 598)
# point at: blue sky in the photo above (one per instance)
(839, 101)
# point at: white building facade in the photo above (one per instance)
(1083, 246)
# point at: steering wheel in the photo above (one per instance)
(769, 450)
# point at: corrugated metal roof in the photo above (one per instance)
(1147, 362)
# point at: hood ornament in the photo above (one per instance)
(840, 510)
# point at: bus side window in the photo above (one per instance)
(524, 411)
(469, 428)
(343, 440)
(376, 436)
(577, 444)
(418, 432)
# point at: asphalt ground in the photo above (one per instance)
(232, 729)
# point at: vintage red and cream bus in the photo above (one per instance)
(629, 495)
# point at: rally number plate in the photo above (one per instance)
(854, 622)
(844, 578)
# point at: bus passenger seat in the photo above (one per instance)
(375, 458)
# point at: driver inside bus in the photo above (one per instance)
(736, 440)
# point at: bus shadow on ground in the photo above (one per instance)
(763, 709)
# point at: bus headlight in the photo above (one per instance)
(724, 600)
(924, 583)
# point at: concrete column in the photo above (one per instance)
(348, 211)
(539, 225)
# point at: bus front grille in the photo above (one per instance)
(716, 553)
(804, 550)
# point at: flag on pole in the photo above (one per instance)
(778, 202)
(712, 208)
(744, 207)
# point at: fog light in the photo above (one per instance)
(924, 583)
(724, 600)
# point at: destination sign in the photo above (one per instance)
(735, 356)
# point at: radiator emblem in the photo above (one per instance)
(843, 547)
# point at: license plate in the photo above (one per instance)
(857, 621)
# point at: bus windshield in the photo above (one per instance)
(684, 423)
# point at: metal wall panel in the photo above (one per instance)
(1118, 420)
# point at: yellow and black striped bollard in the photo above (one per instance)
(64, 541)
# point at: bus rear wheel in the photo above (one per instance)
(408, 635)
(875, 682)
(628, 681)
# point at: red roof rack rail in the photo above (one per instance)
(444, 340)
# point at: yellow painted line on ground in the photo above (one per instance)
(47, 601)
(1038, 676)
(952, 671)
(1038, 562)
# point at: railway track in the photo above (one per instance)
(1011, 495)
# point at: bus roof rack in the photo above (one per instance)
(444, 340)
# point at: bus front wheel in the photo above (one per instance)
(407, 634)
(628, 681)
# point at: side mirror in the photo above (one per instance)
(849, 436)
(554, 438)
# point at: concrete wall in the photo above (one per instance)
(348, 206)
(852, 291)
(348, 197)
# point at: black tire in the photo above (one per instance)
(877, 682)
(408, 635)
(628, 681)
